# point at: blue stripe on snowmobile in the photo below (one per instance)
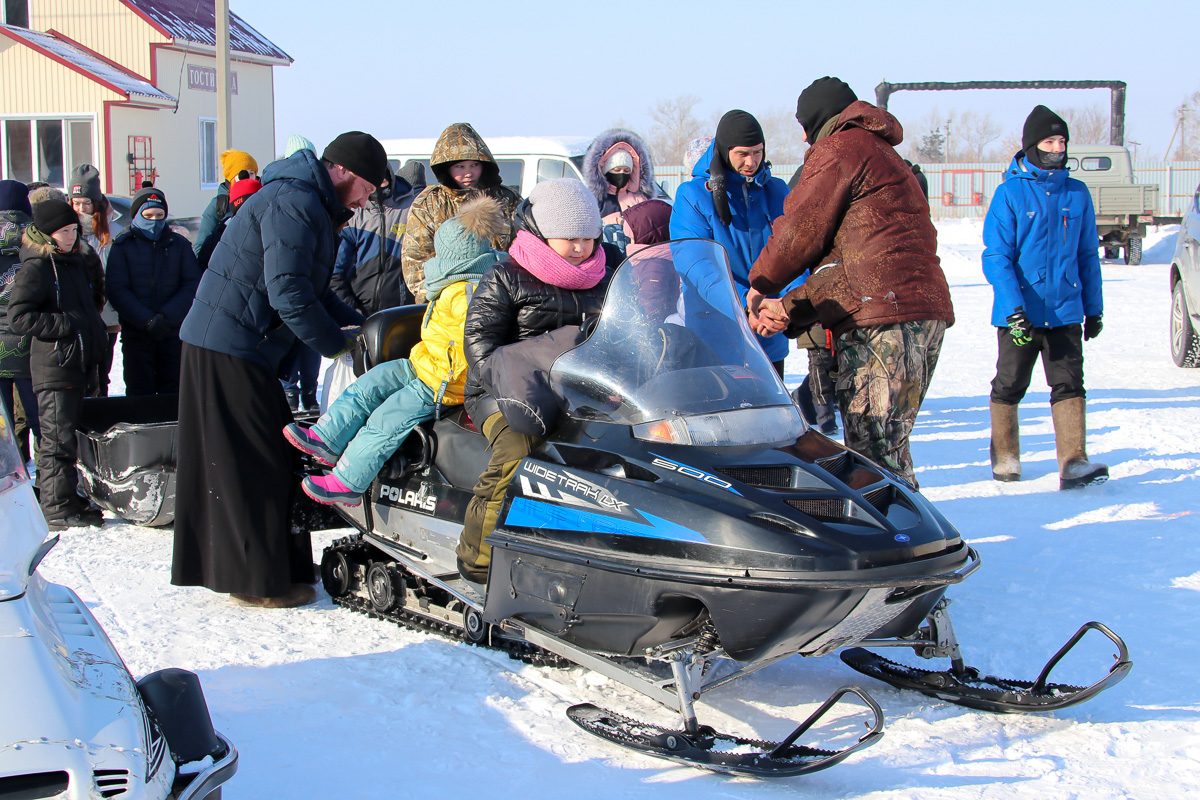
(525, 513)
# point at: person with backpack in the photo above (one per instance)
(377, 412)
(239, 193)
(235, 166)
(152, 278)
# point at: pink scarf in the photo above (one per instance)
(546, 265)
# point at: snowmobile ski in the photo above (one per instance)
(965, 686)
(720, 752)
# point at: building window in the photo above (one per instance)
(18, 150)
(209, 176)
(45, 149)
(16, 12)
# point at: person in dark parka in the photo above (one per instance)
(152, 278)
(267, 285)
(55, 300)
(16, 384)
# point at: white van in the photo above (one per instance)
(523, 160)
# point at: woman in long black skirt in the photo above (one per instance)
(235, 480)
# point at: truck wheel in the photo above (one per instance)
(1133, 252)
(1185, 345)
(1112, 253)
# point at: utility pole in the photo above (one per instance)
(224, 117)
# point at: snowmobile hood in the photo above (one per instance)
(75, 708)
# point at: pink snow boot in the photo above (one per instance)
(307, 441)
(329, 490)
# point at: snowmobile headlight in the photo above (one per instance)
(742, 427)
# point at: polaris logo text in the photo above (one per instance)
(421, 499)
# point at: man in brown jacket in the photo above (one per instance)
(859, 222)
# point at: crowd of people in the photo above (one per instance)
(286, 266)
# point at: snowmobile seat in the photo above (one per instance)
(461, 453)
(387, 335)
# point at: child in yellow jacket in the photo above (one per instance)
(368, 421)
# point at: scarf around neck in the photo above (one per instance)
(548, 266)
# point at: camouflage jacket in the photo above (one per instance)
(441, 201)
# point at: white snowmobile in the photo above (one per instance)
(73, 723)
(680, 528)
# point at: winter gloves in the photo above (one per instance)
(1019, 327)
(158, 328)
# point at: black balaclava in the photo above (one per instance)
(736, 129)
(823, 100)
(1042, 123)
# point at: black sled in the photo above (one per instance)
(680, 528)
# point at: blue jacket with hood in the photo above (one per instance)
(753, 205)
(268, 281)
(1041, 248)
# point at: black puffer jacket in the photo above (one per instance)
(146, 278)
(55, 299)
(511, 305)
(14, 348)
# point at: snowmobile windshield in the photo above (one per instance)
(12, 466)
(672, 355)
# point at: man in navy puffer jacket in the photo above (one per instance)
(1040, 255)
(151, 277)
(267, 285)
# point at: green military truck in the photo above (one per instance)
(1123, 208)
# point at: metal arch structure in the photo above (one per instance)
(1116, 120)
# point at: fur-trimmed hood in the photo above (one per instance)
(597, 154)
(35, 244)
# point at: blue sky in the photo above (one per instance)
(551, 68)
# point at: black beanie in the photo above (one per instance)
(736, 129)
(1042, 123)
(151, 196)
(361, 153)
(53, 215)
(85, 182)
(823, 100)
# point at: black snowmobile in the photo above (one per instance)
(681, 528)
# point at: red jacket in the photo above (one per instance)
(859, 208)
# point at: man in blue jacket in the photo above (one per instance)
(267, 285)
(1040, 255)
(732, 199)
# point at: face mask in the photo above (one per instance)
(85, 222)
(1052, 160)
(618, 179)
(150, 228)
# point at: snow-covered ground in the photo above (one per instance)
(325, 703)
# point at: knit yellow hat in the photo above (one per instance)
(234, 161)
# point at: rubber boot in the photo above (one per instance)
(1070, 432)
(1006, 443)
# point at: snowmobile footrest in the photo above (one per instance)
(987, 693)
(720, 752)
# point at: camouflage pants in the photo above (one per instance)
(883, 374)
